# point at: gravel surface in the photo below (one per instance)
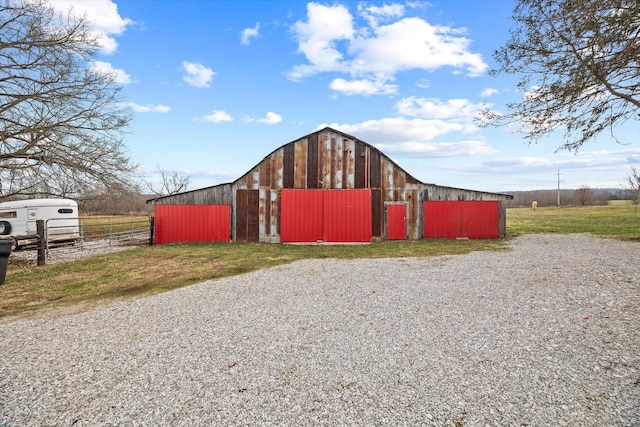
(545, 334)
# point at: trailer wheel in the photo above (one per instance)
(5, 228)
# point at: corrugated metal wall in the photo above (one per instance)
(454, 219)
(192, 223)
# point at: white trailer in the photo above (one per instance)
(18, 220)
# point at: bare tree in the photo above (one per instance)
(579, 67)
(634, 184)
(585, 196)
(60, 126)
(170, 183)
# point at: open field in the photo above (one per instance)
(149, 270)
(620, 221)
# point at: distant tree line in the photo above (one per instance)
(583, 196)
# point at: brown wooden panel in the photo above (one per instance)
(300, 169)
(312, 161)
(241, 216)
(375, 174)
(253, 215)
(360, 166)
(288, 166)
(377, 213)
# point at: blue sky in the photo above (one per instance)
(217, 85)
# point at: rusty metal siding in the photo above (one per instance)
(360, 163)
(375, 165)
(312, 161)
(247, 221)
(377, 210)
(216, 195)
(288, 166)
(348, 164)
(300, 168)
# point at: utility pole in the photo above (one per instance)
(558, 187)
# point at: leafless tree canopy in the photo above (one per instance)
(60, 126)
(170, 183)
(578, 64)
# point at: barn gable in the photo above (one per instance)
(324, 160)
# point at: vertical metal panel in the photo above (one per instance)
(192, 223)
(277, 169)
(324, 159)
(347, 215)
(480, 219)
(360, 158)
(288, 166)
(253, 215)
(396, 221)
(375, 174)
(301, 215)
(336, 162)
(348, 164)
(377, 213)
(265, 172)
(442, 220)
(312, 161)
(300, 180)
(265, 215)
(452, 219)
(275, 217)
(241, 215)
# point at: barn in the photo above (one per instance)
(327, 187)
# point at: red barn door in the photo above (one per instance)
(325, 215)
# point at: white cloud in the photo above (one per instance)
(147, 108)
(375, 14)
(418, 149)
(489, 92)
(249, 33)
(317, 38)
(431, 108)
(104, 16)
(119, 76)
(218, 116)
(362, 87)
(331, 42)
(270, 119)
(197, 74)
(396, 130)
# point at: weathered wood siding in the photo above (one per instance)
(217, 195)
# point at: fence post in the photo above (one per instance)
(42, 238)
(152, 221)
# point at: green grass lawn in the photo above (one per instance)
(621, 221)
(153, 269)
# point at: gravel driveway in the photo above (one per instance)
(545, 334)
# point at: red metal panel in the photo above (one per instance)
(452, 219)
(347, 215)
(192, 223)
(397, 222)
(480, 219)
(300, 215)
(441, 219)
